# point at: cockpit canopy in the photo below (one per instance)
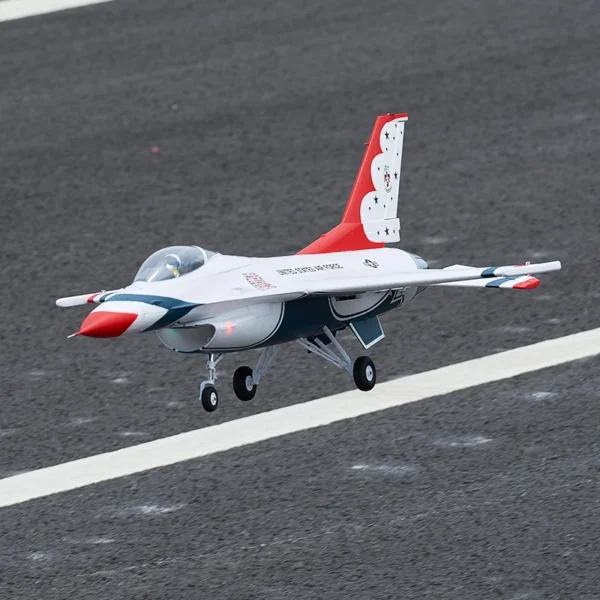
(173, 262)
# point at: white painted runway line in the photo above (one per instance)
(19, 9)
(300, 417)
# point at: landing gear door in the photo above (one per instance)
(368, 331)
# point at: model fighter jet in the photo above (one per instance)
(200, 301)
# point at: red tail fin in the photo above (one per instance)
(371, 216)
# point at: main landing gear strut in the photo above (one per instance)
(363, 370)
(245, 380)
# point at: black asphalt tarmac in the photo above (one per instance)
(129, 126)
(490, 493)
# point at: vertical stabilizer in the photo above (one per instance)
(371, 216)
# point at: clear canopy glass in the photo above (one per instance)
(173, 262)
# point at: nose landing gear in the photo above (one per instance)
(208, 392)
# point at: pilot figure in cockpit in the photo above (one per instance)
(173, 264)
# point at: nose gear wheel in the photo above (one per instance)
(209, 398)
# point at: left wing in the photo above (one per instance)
(469, 276)
(516, 282)
(332, 285)
(525, 282)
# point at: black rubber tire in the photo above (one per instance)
(365, 374)
(240, 384)
(209, 398)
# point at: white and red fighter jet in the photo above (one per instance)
(199, 301)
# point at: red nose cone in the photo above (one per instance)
(106, 324)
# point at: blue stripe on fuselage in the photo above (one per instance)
(162, 301)
(176, 309)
